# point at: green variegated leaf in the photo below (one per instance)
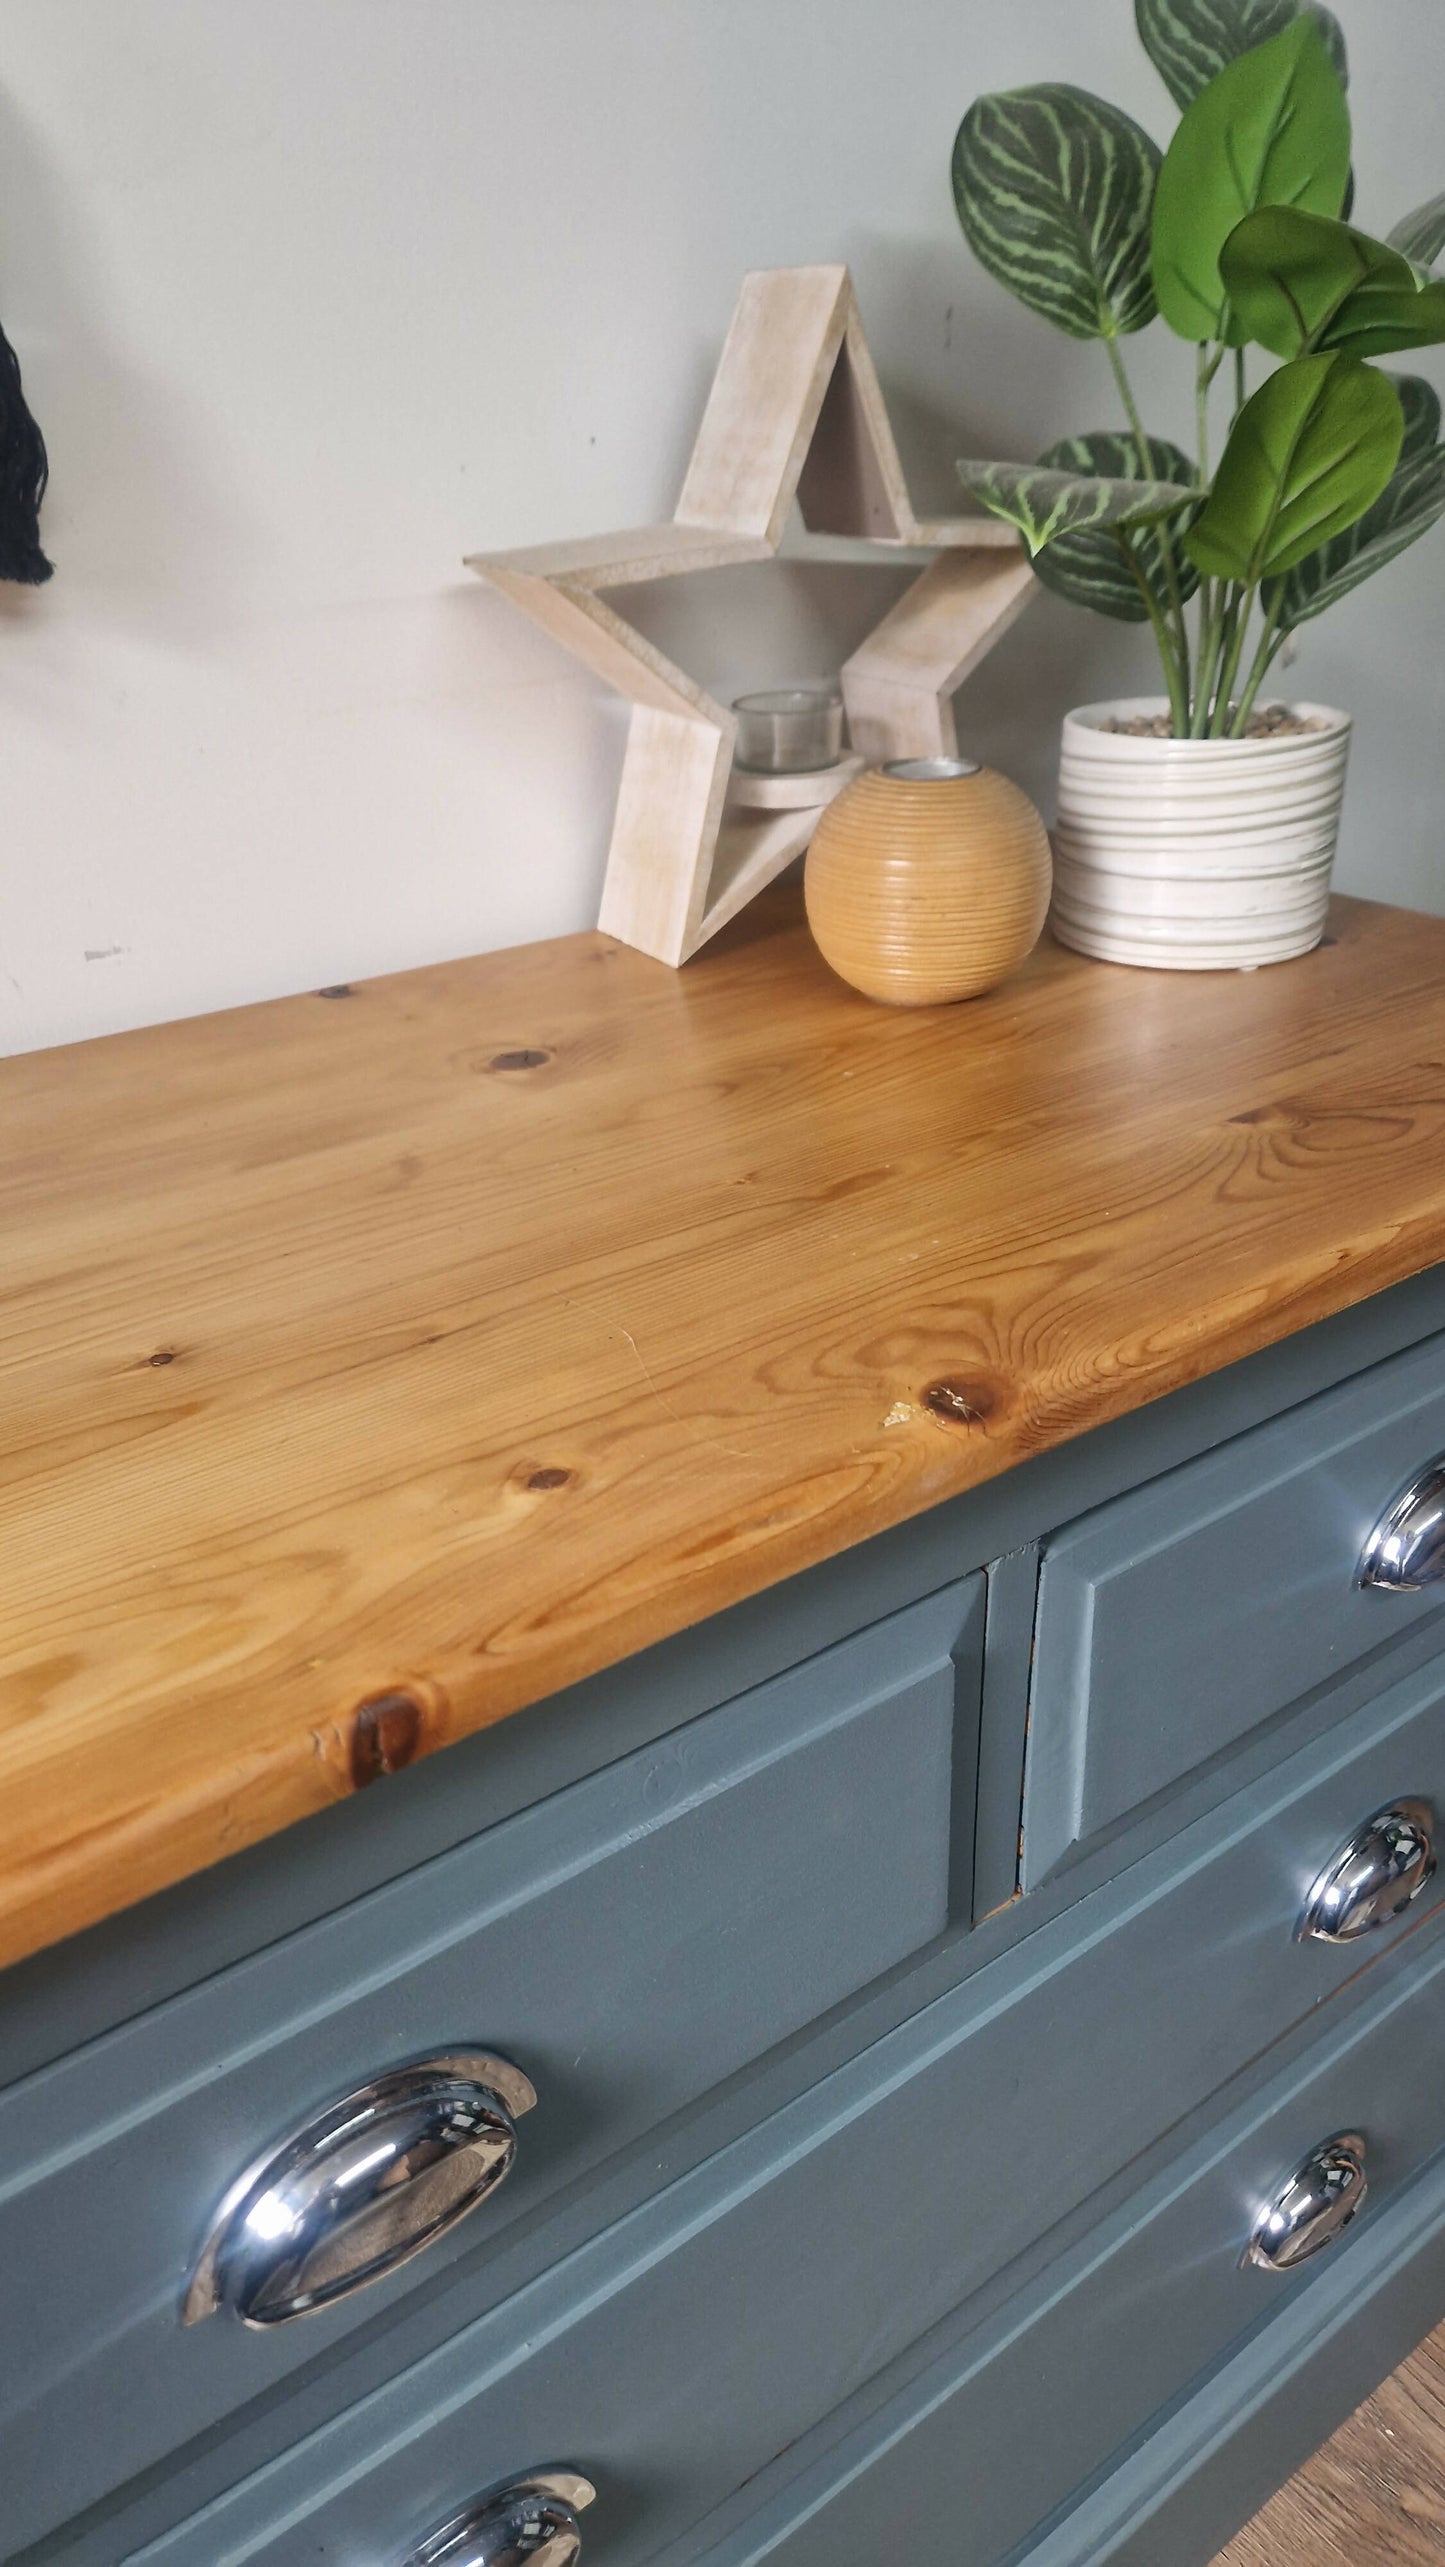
(1420, 403)
(1054, 190)
(1188, 41)
(1272, 128)
(1044, 505)
(1307, 455)
(1421, 235)
(1087, 566)
(1408, 506)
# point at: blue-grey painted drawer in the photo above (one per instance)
(679, 2352)
(629, 1942)
(1005, 2425)
(1173, 1620)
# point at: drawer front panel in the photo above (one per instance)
(1004, 2428)
(629, 1942)
(1174, 1620)
(684, 2349)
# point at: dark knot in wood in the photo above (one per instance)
(961, 1400)
(523, 1059)
(385, 1735)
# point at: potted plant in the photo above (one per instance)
(1198, 830)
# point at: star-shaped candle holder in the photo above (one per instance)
(796, 411)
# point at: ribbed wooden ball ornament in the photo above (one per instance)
(927, 880)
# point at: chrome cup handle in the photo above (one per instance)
(1405, 1550)
(362, 2187)
(1373, 1876)
(1313, 2208)
(530, 2522)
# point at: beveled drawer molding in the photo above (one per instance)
(378, 1361)
(628, 1943)
(1023, 2410)
(690, 2343)
(1175, 1619)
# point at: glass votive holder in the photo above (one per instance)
(791, 730)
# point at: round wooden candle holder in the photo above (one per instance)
(928, 880)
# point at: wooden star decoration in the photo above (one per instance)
(796, 411)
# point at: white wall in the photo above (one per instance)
(314, 296)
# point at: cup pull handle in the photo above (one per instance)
(360, 2188)
(1315, 2207)
(1373, 1876)
(531, 2519)
(1405, 1550)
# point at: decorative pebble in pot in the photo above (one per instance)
(927, 880)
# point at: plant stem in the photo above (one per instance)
(1176, 662)
(1181, 628)
(1211, 633)
(1241, 382)
(1131, 411)
(1271, 641)
(1209, 359)
(1228, 627)
(1175, 673)
(1240, 605)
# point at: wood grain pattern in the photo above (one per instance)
(900, 683)
(1375, 2495)
(762, 411)
(445, 1340)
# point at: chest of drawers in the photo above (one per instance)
(807, 2087)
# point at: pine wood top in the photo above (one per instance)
(373, 1363)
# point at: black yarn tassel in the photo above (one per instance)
(24, 472)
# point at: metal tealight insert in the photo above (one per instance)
(931, 770)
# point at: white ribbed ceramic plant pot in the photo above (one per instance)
(1195, 855)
